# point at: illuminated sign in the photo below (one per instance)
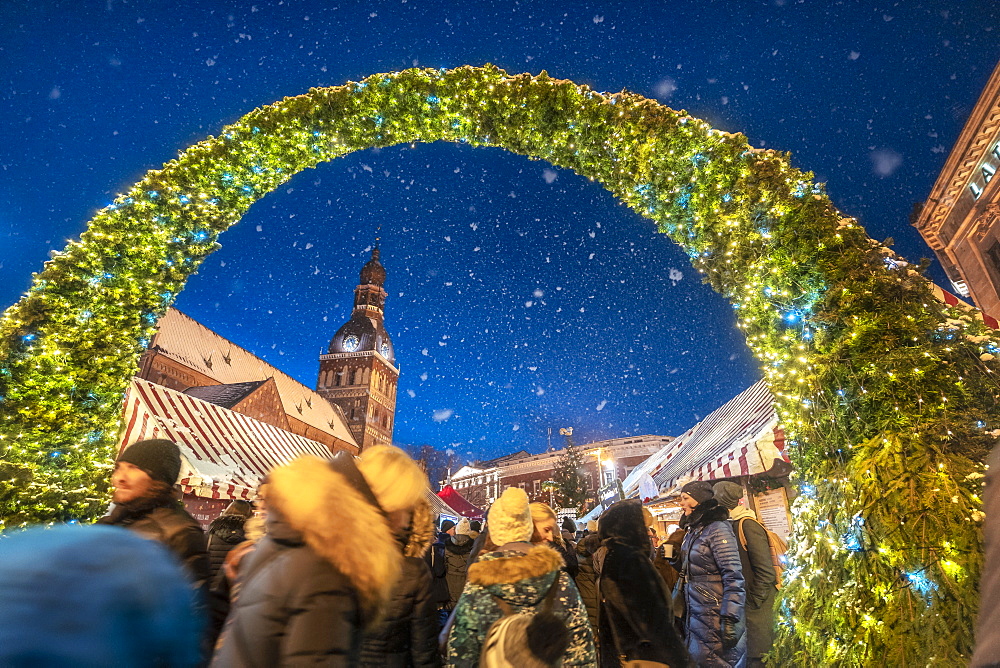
(987, 169)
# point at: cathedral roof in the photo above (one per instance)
(227, 395)
(184, 339)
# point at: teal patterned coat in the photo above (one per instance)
(520, 574)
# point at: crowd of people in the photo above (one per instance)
(341, 563)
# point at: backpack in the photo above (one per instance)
(776, 543)
(535, 639)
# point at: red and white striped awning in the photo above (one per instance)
(739, 438)
(224, 454)
(951, 300)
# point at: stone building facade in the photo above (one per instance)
(603, 463)
(960, 219)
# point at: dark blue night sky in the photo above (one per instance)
(521, 297)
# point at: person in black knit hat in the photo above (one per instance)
(145, 502)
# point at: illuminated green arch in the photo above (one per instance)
(882, 391)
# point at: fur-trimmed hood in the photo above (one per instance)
(421, 533)
(518, 576)
(334, 513)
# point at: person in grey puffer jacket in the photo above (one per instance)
(327, 569)
(712, 580)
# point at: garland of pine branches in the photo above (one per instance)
(888, 397)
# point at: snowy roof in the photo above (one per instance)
(741, 437)
(184, 339)
(225, 454)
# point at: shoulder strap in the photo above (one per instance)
(739, 532)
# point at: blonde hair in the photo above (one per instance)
(542, 512)
(394, 478)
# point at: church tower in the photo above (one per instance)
(358, 373)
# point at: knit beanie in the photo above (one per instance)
(463, 528)
(476, 525)
(159, 458)
(699, 490)
(569, 525)
(446, 526)
(728, 494)
(510, 518)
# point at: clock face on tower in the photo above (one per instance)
(384, 350)
(351, 343)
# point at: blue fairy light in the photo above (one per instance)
(793, 316)
(433, 99)
(726, 197)
(55, 454)
(183, 199)
(920, 582)
(166, 296)
(852, 538)
(255, 130)
(152, 194)
(807, 490)
(200, 235)
(257, 169)
(379, 120)
(86, 315)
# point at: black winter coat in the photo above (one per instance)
(320, 577)
(456, 550)
(586, 577)
(437, 561)
(165, 521)
(635, 621)
(714, 587)
(294, 607)
(407, 636)
(224, 533)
